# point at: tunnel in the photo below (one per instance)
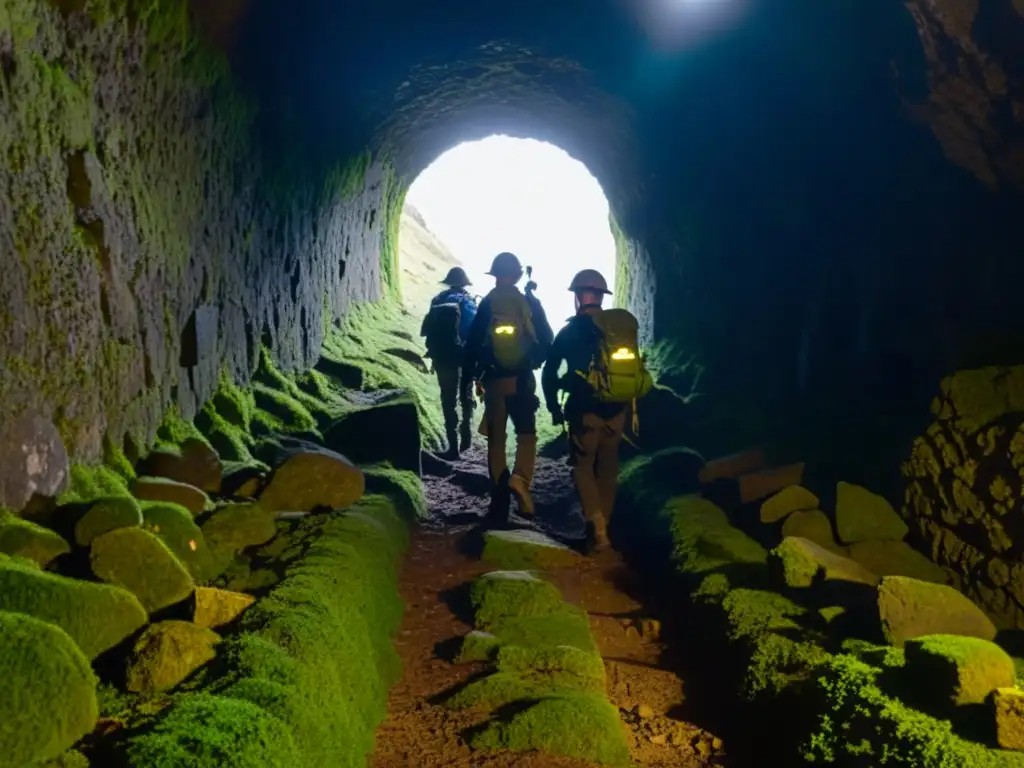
(220, 433)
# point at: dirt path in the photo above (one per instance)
(419, 731)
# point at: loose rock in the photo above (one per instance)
(96, 616)
(175, 526)
(812, 525)
(33, 461)
(166, 654)
(800, 563)
(758, 485)
(49, 699)
(311, 479)
(161, 489)
(194, 463)
(896, 558)
(217, 607)
(107, 515)
(957, 670)
(1008, 704)
(389, 431)
(910, 608)
(140, 562)
(792, 498)
(21, 538)
(865, 516)
(526, 549)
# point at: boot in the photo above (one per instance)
(466, 436)
(453, 445)
(501, 502)
(518, 486)
(597, 535)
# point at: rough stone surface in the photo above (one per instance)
(1008, 707)
(217, 607)
(792, 498)
(910, 608)
(32, 459)
(811, 524)
(758, 485)
(311, 479)
(161, 489)
(195, 463)
(865, 516)
(896, 558)
(166, 654)
(958, 670)
(800, 563)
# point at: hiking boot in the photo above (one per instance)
(498, 509)
(518, 485)
(466, 439)
(453, 446)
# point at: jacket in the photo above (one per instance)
(574, 345)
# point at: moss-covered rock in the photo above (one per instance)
(558, 662)
(311, 480)
(107, 515)
(217, 607)
(167, 653)
(500, 594)
(957, 670)
(207, 731)
(896, 558)
(526, 549)
(477, 646)
(705, 541)
(569, 626)
(798, 563)
(812, 525)
(194, 463)
(21, 538)
(177, 529)
(910, 608)
(235, 527)
(584, 726)
(139, 561)
(792, 498)
(865, 516)
(96, 616)
(1008, 708)
(49, 699)
(402, 485)
(172, 492)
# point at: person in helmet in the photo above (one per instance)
(595, 427)
(508, 340)
(445, 329)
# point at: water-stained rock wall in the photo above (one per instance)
(965, 485)
(147, 244)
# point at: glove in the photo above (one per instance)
(557, 416)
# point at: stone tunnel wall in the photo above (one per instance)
(146, 247)
(965, 485)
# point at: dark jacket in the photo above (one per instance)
(574, 345)
(477, 366)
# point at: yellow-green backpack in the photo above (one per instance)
(617, 371)
(511, 337)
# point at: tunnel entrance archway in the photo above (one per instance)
(505, 194)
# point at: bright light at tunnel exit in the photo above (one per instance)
(524, 196)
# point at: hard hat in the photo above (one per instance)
(456, 278)
(505, 265)
(589, 280)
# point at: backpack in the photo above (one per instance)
(511, 337)
(441, 329)
(617, 372)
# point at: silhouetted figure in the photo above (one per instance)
(446, 328)
(606, 375)
(508, 341)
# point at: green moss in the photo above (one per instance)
(96, 616)
(50, 691)
(478, 646)
(174, 430)
(115, 458)
(233, 528)
(402, 485)
(567, 627)
(22, 538)
(704, 540)
(953, 670)
(560, 662)
(107, 515)
(91, 483)
(583, 726)
(316, 653)
(501, 594)
(142, 563)
(526, 549)
(859, 724)
(204, 731)
(177, 529)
